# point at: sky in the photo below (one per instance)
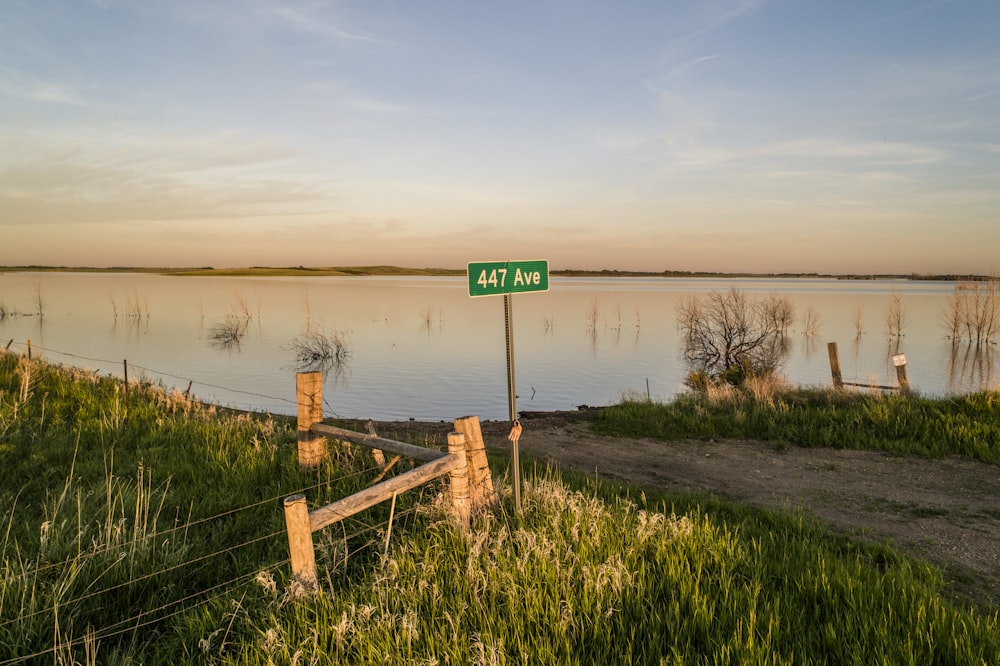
(840, 136)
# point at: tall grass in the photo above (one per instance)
(966, 425)
(112, 511)
(588, 576)
(104, 507)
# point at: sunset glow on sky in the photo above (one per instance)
(722, 135)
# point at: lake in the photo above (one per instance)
(420, 348)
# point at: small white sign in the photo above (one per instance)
(899, 359)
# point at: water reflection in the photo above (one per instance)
(971, 366)
(431, 322)
(316, 351)
(228, 333)
(586, 341)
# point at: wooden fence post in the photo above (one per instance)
(300, 544)
(899, 360)
(459, 479)
(480, 480)
(838, 379)
(309, 396)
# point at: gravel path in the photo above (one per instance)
(945, 511)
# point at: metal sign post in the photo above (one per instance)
(492, 278)
(515, 432)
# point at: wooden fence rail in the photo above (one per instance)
(471, 487)
(899, 360)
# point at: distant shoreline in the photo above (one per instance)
(362, 271)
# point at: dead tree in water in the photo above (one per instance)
(895, 317)
(728, 335)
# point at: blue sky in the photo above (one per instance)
(715, 135)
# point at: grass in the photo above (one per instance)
(966, 425)
(114, 512)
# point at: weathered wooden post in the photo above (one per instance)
(300, 544)
(838, 379)
(899, 360)
(309, 396)
(459, 479)
(480, 480)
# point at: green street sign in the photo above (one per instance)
(492, 278)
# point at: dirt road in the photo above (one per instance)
(944, 511)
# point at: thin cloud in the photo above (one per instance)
(310, 23)
(742, 9)
(339, 94)
(18, 84)
(684, 68)
(909, 11)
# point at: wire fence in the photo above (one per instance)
(363, 535)
(28, 347)
(150, 617)
(226, 589)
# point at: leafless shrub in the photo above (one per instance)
(728, 336)
(244, 310)
(427, 320)
(618, 318)
(233, 328)
(812, 323)
(317, 351)
(973, 312)
(136, 307)
(858, 327)
(228, 333)
(895, 317)
(781, 313)
(593, 315)
(39, 301)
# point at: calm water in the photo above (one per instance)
(421, 348)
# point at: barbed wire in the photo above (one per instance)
(186, 526)
(364, 528)
(115, 630)
(144, 577)
(154, 371)
(135, 623)
(347, 537)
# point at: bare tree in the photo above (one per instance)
(954, 315)
(39, 301)
(728, 335)
(780, 312)
(895, 316)
(973, 312)
(812, 323)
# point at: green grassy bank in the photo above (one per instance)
(144, 529)
(966, 425)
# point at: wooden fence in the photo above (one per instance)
(899, 360)
(471, 486)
